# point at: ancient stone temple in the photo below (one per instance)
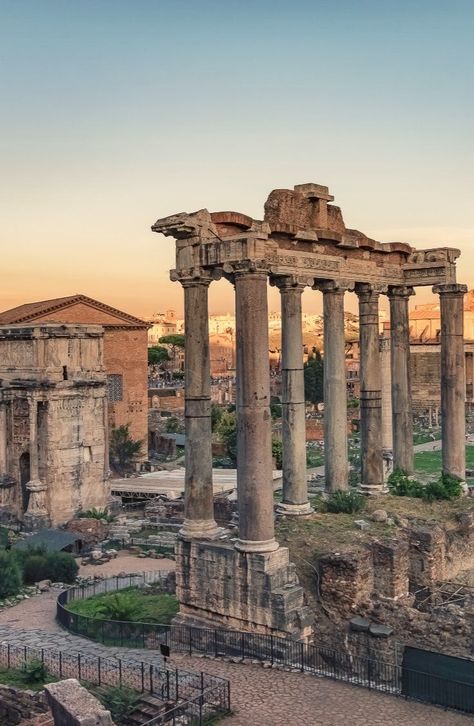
(53, 422)
(301, 242)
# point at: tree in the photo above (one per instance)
(10, 574)
(314, 378)
(226, 431)
(216, 415)
(173, 425)
(123, 449)
(157, 354)
(174, 342)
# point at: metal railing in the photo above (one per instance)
(362, 671)
(206, 695)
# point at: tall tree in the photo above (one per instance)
(314, 378)
(123, 449)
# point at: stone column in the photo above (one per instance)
(254, 456)
(402, 415)
(3, 438)
(387, 431)
(370, 390)
(295, 484)
(199, 519)
(336, 461)
(37, 513)
(453, 388)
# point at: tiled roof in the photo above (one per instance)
(30, 311)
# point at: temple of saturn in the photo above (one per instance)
(248, 582)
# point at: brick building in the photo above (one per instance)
(125, 353)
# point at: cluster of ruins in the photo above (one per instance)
(301, 242)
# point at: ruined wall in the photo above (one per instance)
(425, 371)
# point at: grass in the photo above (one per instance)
(18, 678)
(142, 606)
(430, 462)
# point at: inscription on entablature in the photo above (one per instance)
(70, 405)
(311, 263)
(416, 273)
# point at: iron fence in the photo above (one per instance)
(317, 660)
(206, 695)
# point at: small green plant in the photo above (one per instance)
(96, 514)
(10, 574)
(34, 672)
(447, 487)
(344, 502)
(277, 453)
(37, 563)
(121, 702)
(401, 485)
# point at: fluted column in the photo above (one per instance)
(402, 415)
(453, 387)
(254, 456)
(336, 461)
(295, 484)
(370, 390)
(199, 519)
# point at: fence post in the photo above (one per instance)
(60, 664)
(79, 665)
(8, 655)
(143, 677)
(98, 670)
(120, 672)
(302, 657)
(271, 648)
(151, 677)
(190, 641)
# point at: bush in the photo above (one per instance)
(447, 487)
(121, 702)
(39, 564)
(35, 672)
(10, 574)
(345, 502)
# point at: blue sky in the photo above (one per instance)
(115, 113)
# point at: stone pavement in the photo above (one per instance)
(267, 697)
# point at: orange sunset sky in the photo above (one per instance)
(115, 114)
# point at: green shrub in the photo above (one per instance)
(277, 453)
(35, 568)
(34, 672)
(10, 574)
(121, 702)
(400, 485)
(345, 502)
(39, 564)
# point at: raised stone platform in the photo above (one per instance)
(219, 586)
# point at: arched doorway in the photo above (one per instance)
(24, 479)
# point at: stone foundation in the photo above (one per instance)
(219, 586)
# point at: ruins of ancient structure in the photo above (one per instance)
(302, 241)
(53, 422)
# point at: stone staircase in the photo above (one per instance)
(148, 708)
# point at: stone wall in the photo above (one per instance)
(17, 705)
(218, 585)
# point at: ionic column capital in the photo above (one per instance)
(450, 290)
(400, 291)
(337, 287)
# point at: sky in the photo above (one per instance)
(114, 113)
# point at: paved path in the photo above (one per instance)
(260, 697)
(267, 697)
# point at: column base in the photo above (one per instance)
(247, 545)
(200, 529)
(373, 489)
(294, 510)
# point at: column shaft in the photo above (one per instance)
(402, 415)
(295, 485)
(34, 456)
(370, 391)
(3, 438)
(335, 391)
(453, 388)
(199, 496)
(254, 457)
